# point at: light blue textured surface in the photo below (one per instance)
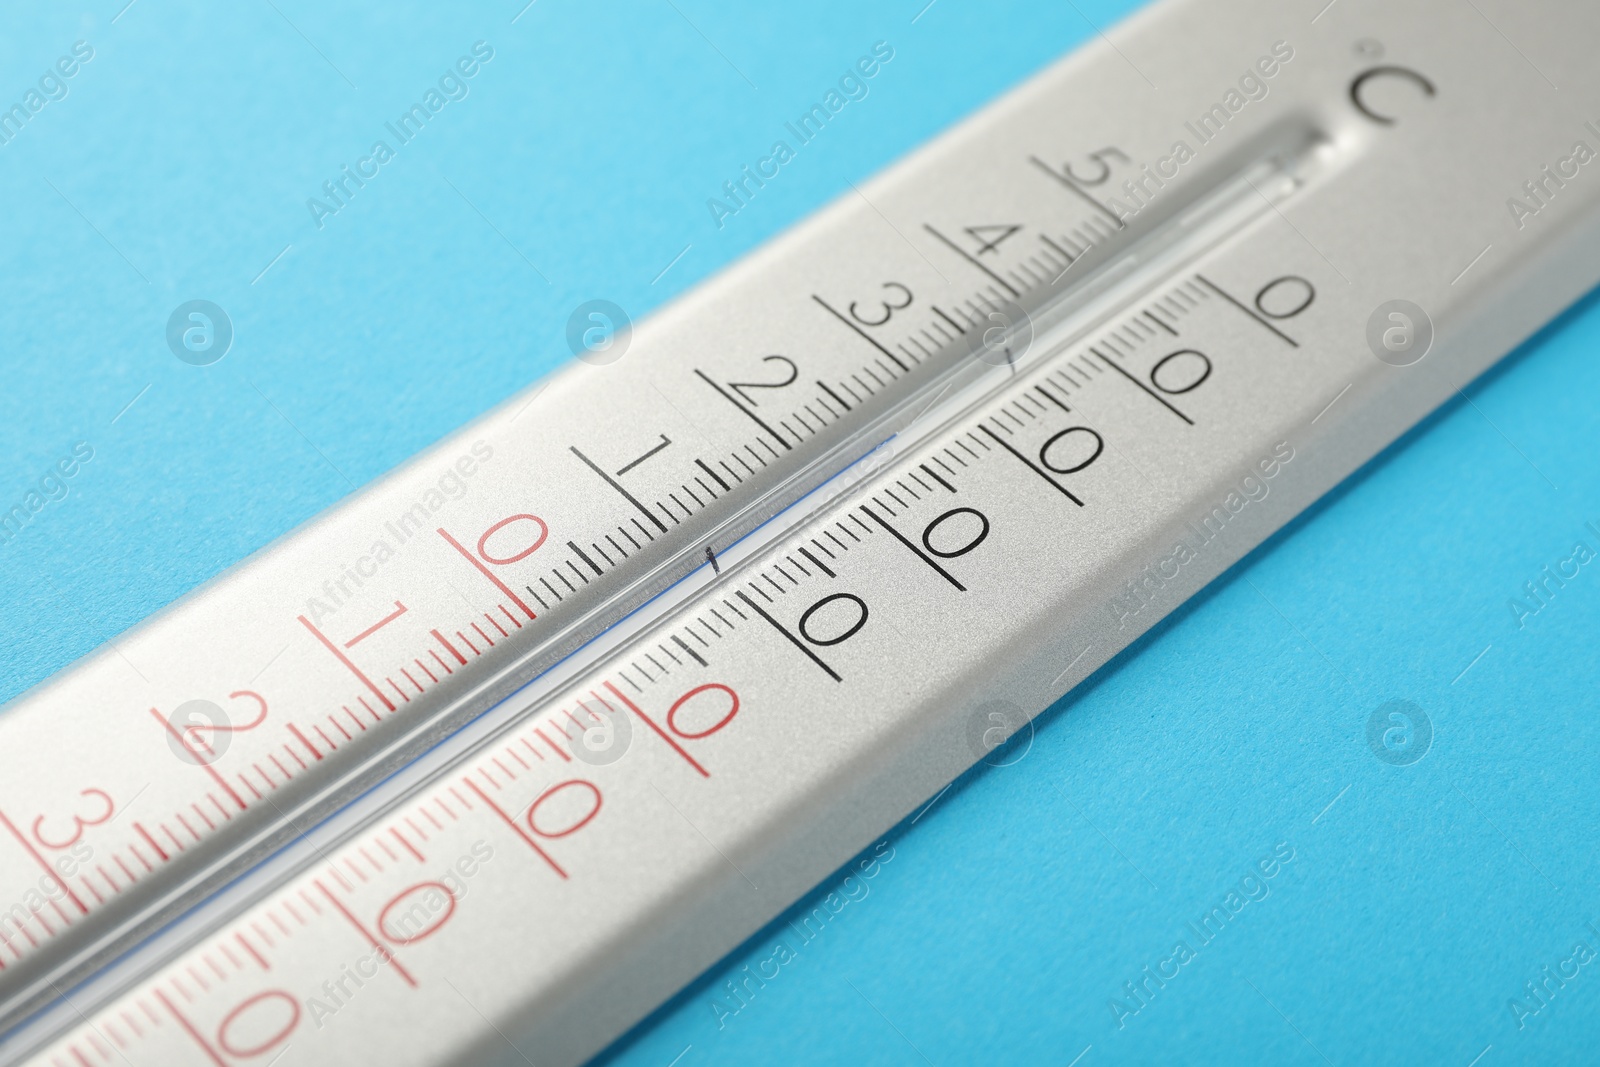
(1005, 920)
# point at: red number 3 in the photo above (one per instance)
(79, 822)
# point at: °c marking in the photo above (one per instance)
(1390, 72)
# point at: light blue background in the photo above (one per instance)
(1416, 905)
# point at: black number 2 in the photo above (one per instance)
(740, 387)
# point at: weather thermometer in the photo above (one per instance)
(442, 778)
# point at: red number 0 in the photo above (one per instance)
(484, 556)
(593, 805)
(679, 706)
(483, 550)
(259, 1037)
(723, 705)
(191, 733)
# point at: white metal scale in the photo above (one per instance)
(438, 780)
